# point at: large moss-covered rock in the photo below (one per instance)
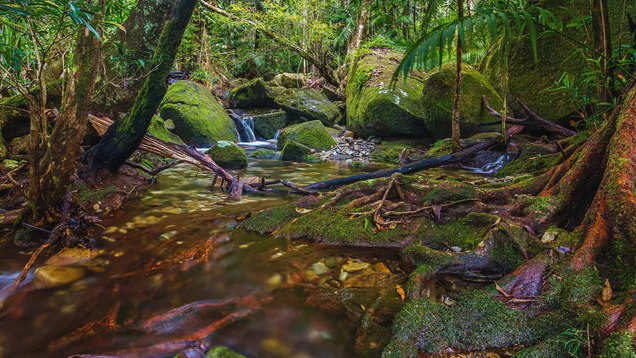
(199, 118)
(312, 134)
(531, 81)
(307, 104)
(253, 94)
(266, 125)
(228, 155)
(374, 108)
(289, 80)
(439, 94)
(158, 129)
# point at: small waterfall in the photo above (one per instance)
(248, 126)
(244, 127)
(276, 135)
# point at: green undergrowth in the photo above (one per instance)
(475, 322)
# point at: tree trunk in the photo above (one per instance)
(124, 136)
(54, 158)
(603, 45)
(362, 29)
(456, 134)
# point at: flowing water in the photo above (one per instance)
(175, 270)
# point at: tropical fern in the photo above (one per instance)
(499, 20)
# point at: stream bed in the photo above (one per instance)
(175, 274)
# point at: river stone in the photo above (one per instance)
(355, 265)
(72, 256)
(319, 268)
(53, 276)
(222, 352)
(374, 108)
(307, 105)
(228, 155)
(159, 129)
(289, 80)
(311, 134)
(438, 97)
(198, 117)
(369, 280)
(253, 94)
(268, 124)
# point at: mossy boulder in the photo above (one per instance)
(253, 94)
(312, 134)
(159, 130)
(531, 81)
(289, 80)
(19, 145)
(199, 118)
(268, 124)
(228, 155)
(438, 97)
(374, 108)
(295, 152)
(307, 105)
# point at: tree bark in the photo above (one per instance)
(124, 136)
(456, 133)
(362, 29)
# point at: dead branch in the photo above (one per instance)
(533, 120)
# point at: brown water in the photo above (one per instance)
(175, 248)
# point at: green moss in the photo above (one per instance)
(254, 94)
(228, 155)
(573, 289)
(389, 152)
(475, 322)
(199, 118)
(157, 129)
(374, 108)
(466, 232)
(307, 105)
(530, 165)
(550, 348)
(311, 134)
(450, 191)
(618, 345)
(269, 220)
(295, 152)
(438, 97)
(266, 125)
(263, 153)
(222, 352)
(336, 227)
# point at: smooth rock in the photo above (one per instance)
(53, 276)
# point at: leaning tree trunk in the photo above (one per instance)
(124, 136)
(362, 29)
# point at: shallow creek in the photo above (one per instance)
(174, 271)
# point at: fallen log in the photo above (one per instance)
(533, 120)
(408, 169)
(179, 152)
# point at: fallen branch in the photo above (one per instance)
(533, 120)
(155, 171)
(179, 152)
